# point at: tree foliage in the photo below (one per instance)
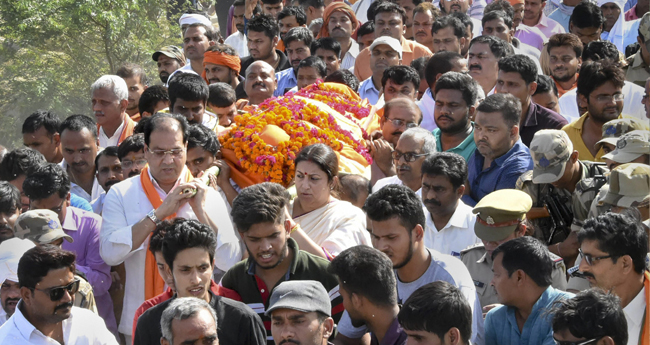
(51, 52)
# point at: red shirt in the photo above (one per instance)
(167, 294)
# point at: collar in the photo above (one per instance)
(354, 49)
(638, 61)
(457, 220)
(392, 334)
(635, 309)
(24, 327)
(485, 258)
(531, 115)
(70, 221)
(407, 46)
(543, 20)
(118, 131)
(367, 85)
(178, 180)
(516, 147)
(293, 245)
(283, 58)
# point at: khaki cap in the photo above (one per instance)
(629, 184)
(630, 146)
(40, 226)
(550, 149)
(173, 52)
(613, 129)
(644, 27)
(499, 213)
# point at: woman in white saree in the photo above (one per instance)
(332, 224)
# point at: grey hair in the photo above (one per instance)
(419, 133)
(181, 309)
(114, 83)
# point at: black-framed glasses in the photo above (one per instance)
(56, 293)
(592, 259)
(557, 342)
(399, 123)
(408, 156)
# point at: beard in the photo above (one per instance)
(407, 259)
(455, 127)
(283, 255)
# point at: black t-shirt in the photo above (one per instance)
(282, 65)
(237, 324)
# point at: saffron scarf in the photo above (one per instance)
(153, 282)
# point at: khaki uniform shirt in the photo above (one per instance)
(85, 298)
(637, 71)
(584, 195)
(479, 265)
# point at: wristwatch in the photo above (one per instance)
(152, 215)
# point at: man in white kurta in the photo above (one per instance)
(129, 215)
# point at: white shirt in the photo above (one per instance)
(98, 204)
(185, 69)
(3, 316)
(632, 107)
(634, 315)
(210, 120)
(239, 42)
(427, 107)
(348, 60)
(83, 327)
(391, 180)
(457, 235)
(80, 192)
(106, 141)
(126, 204)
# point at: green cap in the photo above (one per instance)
(499, 213)
(613, 129)
(550, 149)
(629, 184)
(630, 146)
(40, 226)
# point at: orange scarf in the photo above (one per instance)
(153, 282)
(127, 131)
(337, 6)
(218, 58)
(645, 328)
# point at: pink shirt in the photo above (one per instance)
(548, 27)
(631, 14)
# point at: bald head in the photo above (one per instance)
(260, 82)
(405, 104)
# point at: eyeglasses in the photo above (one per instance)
(56, 210)
(591, 259)
(408, 156)
(399, 123)
(56, 293)
(608, 98)
(557, 342)
(126, 164)
(175, 153)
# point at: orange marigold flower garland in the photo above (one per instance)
(305, 124)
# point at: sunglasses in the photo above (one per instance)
(56, 293)
(557, 342)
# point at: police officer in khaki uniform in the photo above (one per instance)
(638, 69)
(551, 185)
(43, 227)
(500, 217)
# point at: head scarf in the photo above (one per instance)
(218, 58)
(616, 34)
(337, 6)
(515, 2)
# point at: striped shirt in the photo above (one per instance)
(304, 266)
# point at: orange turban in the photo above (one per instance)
(218, 58)
(515, 2)
(337, 6)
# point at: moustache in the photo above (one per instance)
(587, 274)
(63, 306)
(214, 80)
(483, 142)
(259, 84)
(6, 227)
(287, 341)
(397, 134)
(475, 66)
(109, 183)
(404, 167)
(163, 78)
(432, 202)
(295, 62)
(8, 300)
(134, 173)
(445, 117)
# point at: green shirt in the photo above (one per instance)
(465, 149)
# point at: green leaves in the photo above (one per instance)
(52, 51)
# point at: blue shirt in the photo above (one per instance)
(501, 324)
(79, 202)
(367, 90)
(286, 80)
(465, 149)
(501, 174)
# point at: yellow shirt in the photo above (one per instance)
(574, 130)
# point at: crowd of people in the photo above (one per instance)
(507, 201)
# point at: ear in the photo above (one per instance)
(146, 114)
(462, 42)
(26, 295)
(532, 87)
(520, 277)
(168, 270)
(403, 29)
(211, 43)
(56, 138)
(460, 191)
(452, 336)
(123, 104)
(419, 233)
(67, 199)
(628, 264)
(543, 5)
(275, 41)
(164, 341)
(472, 112)
(582, 99)
(328, 326)
(606, 340)
(574, 156)
(514, 131)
